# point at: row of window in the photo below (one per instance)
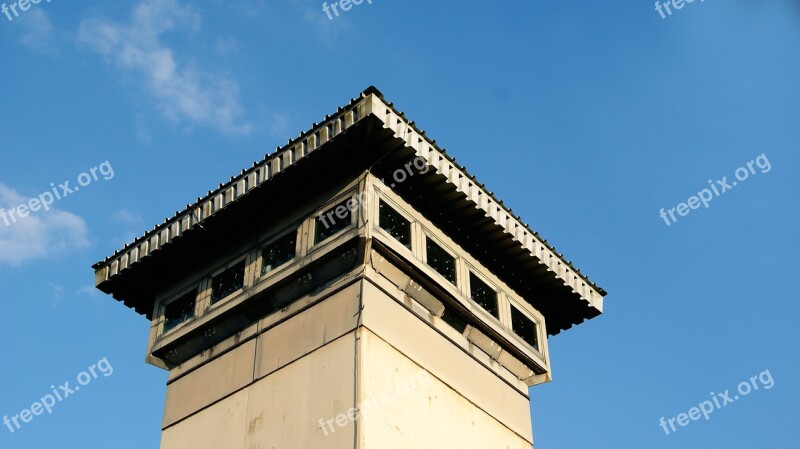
(444, 263)
(326, 225)
(273, 256)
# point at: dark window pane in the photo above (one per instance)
(227, 282)
(395, 224)
(333, 220)
(524, 327)
(278, 252)
(179, 311)
(454, 319)
(441, 261)
(484, 295)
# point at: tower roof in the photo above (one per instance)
(366, 134)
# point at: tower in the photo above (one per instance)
(356, 288)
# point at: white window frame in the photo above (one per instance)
(458, 282)
(498, 293)
(380, 197)
(536, 321)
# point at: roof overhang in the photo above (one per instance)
(366, 134)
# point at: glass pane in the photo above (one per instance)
(279, 252)
(454, 319)
(524, 327)
(482, 294)
(179, 311)
(395, 224)
(441, 261)
(227, 282)
(333, 220)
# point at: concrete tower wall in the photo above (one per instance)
(330, 376)
(272, 390)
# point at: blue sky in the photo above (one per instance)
(586, 118)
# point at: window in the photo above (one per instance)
(278, 252)
(441, 261)
(179, 311)
(395, 224)
(482, 294)
(227, 282)
(524, 327)
(454, 319)
(334, 220)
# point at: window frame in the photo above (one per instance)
(344, 198)
(272, 240)
(537, 326)
(427, 236)
(173, 298)
(380, 198)
(471, 271)
(211, 303)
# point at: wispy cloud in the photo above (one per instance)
(58, 291)
(87, 290)
(131, 225)
(37, 32)
(277, 122)
(40, 235)
(227, 46)
(91, 293)
(126, 217)
(325, 28)
(142, 129)
(55, 298)
(253, 9)
(183, 92)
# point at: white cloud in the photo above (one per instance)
(277, 123)
(327, 29)
(126, 217)
(39, 235)
(38, 32)
(58, 291)
(55, 298)
(183, 92)
(91, 292)
(88, 291)
(253, 9)
(227, 46)
(131, 226)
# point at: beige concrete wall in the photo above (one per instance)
(281, 410)
(409, 408)
(272, 391)
(308, 330)
(210, 383)
(294, 384)
(490, 399)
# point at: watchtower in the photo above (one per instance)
(356, 288)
